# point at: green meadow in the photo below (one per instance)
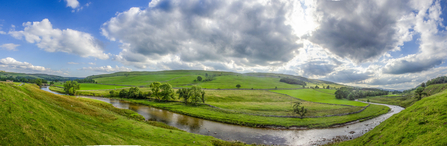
(318, 96)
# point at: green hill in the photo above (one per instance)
(216, 79)
(30, 116)
(423, 123)
(16, 76)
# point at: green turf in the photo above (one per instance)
(423, 123)
(30, 116)
(315, 96)
(269, 103)
(91, 86)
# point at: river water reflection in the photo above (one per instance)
(247, 134)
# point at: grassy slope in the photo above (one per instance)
(31, 116)
(423, 123)
(315, 96)
(90, 86)
(224, 80)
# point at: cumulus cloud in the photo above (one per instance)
(411, 65)
(107, 68)
(72, 3)
(249, 33)
(319, 68)
(56, 40)
(92, 63)
(432, 41)
(11, 63)
(72, 63)
(348, 76)
(361, 30)
(9, 46)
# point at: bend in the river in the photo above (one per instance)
(248, 134)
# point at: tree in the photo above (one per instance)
(112, 93)
(327, 87)
(238, 86)
(351, 96)
(167, 93)
(183, 93)
(206, 74)
(123, 93)
(367, 100)
(155, 88)
(133, 92)
(203, 96)
(38, 82)
(199, 78)
(195, 94)
(298, 109)
(419, 92)
(316, 87)
(70, 87)
(423, 85)
(51, 83)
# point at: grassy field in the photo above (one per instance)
(315, 96)
(230, 82)
(269, 103)
(31, 116)
(223, 80)
(423, 123)
(91, 86)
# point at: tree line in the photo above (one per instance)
(352, 93)
(292, 81)
(164, 93)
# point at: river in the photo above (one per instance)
(248, 134)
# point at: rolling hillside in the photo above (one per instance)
(217, 79)
(423, 123)
(31, 116)
(35, 76)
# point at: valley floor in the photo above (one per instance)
(255, 108)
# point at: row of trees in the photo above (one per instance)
(438, 80)
(352, 94)
(22, 79)
(207, 78)
(163, 92)
(86, 80)
(292, 81)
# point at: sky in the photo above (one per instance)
(389, 44)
